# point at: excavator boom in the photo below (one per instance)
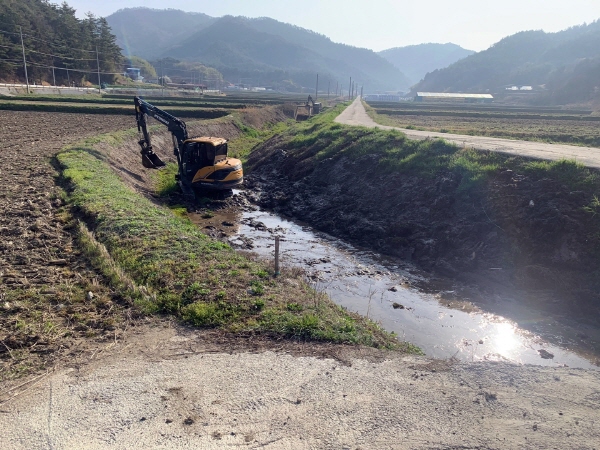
(176, 126)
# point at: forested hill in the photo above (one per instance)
(147, 33)
(415, 61)
(563, 66)
(260, 51)
(54, 37)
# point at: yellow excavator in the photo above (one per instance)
(307, 110)
(203, 161)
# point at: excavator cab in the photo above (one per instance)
(206, 162)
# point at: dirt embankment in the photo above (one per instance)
(125, 158)
(50, 295)
(514, 231)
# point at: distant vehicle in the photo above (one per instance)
(307, 110)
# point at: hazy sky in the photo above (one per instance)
(381, 24)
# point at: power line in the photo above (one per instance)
(60, 56)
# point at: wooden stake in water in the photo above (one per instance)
(277, 256)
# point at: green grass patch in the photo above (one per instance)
(320, 139)
(166, 184)
(164, 264)
(242, 146)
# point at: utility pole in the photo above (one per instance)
(24, 60)
(337, 85)
(328, 89)
(361, 92)
(317, 89)
(350, 90)
(162, 77)
(98, 67)
(53, 75)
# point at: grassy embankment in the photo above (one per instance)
(321, 138)
(162, 264)
(565, 127)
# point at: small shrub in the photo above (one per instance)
(257, 288)
(261, 273)
(258, 305)
(203, 315)
(193, 292)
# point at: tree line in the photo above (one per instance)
(54, 37)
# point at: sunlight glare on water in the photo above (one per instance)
(505, 341)
(364, 283)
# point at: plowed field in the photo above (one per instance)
(43, 280)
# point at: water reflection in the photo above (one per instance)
(364, 283)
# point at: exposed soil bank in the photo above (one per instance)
(515, 230)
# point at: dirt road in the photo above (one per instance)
(170, 388)
(356, 115)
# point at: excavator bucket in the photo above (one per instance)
(152, 161)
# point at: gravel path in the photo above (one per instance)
(170, 389)
(356, 115)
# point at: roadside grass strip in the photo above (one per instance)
(320, 139)
(161, 263)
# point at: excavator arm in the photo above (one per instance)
(176, 126)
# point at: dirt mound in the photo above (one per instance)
(516, 231)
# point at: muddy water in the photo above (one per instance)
(379, 288)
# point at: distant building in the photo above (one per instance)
(453, 97)
(382, 98)
(134, 73)
(521, 88)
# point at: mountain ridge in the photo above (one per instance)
(266, 43)
(564, 67)
(415, 61)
